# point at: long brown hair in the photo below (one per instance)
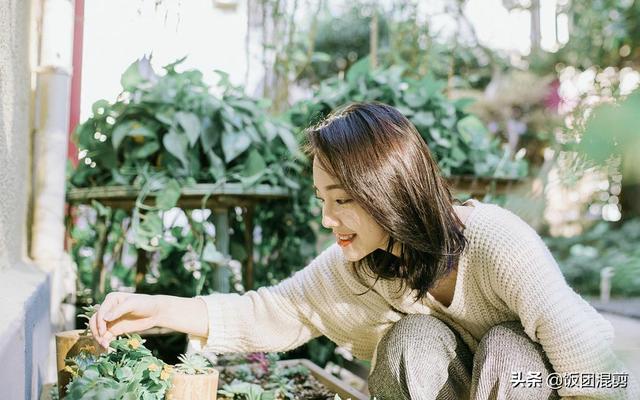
(386, 167)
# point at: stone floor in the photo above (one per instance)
(627, 340)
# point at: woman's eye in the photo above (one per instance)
(338, 201)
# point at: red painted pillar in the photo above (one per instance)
(74, 107)
(76, 77)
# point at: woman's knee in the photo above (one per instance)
(421, 357)
(416, 331)
(509, 342)
(506, 355)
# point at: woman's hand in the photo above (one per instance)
(122, 313)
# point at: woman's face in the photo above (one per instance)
(344, 216)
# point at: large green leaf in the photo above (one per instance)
(471, 127)
(145, 150)
(152, 225)
(132, 129)
(254, 164)
(415, 98)
(210, 136)
(216, 165)
(358, 70)
(234, 144)
(190, 123)
(423, 118)
(177, 145)
(288, 139)
(431, 86)
(131, 77)
(269, 130)
(168, 198)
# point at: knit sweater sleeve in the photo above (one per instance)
(575, 338)
(318, 300)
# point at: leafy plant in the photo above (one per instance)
(265, 379)
(129, 372)
(173, 124)
(193, 364)
(581, 258)
(459, 141)
(164, 133)
(88, 312)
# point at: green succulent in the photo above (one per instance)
(130, 372)
(193, 364)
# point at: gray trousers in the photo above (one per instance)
(420, 357)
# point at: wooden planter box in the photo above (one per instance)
(331, 382)
(217, 197)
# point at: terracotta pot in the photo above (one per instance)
(69, 344)
(193, 387)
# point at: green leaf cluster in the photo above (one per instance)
(172, 123)
(271, 381)
(130, 372)
(459, 141)
(581, 258)
(193, 364)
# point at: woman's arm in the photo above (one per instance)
(122, 313)
(574, 336)
(317, 300)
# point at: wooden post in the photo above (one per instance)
(248, 242)
(221, 222)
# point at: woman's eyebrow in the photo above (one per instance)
(330, 187)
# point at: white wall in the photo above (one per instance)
(24, 289)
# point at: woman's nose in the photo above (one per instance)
(328, 220)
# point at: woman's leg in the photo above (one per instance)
(420, 357)
(506, 352)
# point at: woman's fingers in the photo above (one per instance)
(93, 326)
(106, 339)
(109, 302)
(120, 309)
(122, 326)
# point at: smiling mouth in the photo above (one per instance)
(346, 240)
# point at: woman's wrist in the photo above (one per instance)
(182, 314)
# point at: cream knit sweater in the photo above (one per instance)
(506, 273)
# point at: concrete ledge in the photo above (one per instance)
(25, 331)
(625, 306)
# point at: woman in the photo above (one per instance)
(449, 301)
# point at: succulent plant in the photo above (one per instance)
(130, 371)
(193, 364)
(88, 312)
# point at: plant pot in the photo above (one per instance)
(193, 387)
(69, 344)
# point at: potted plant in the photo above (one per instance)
(130, 371)
(73, 343)
(193, 378)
